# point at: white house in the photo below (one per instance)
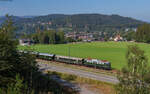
(118, 38)
(25, 42)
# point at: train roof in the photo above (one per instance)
(102, 61)
(32, 52)
(46, 54)
(69, 57)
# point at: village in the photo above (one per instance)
(81, 37)
(92, 36)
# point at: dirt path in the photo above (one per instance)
(86, 89)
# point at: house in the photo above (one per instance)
(118, 38)
(25, 42)
(84, 36)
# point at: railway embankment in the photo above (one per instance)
(48, 66)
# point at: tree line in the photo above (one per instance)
(143, 33)
(140, 35)
(57, 37)
(48, 37)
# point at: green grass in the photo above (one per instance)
(111, 51)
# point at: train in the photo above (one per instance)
(94, 63)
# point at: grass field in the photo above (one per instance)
(111, 51)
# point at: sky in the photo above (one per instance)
(139, 9)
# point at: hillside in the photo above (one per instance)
(77, 22)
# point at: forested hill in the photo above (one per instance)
(78, 22)
(87, 19)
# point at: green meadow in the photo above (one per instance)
(112, 51)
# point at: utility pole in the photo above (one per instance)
(69, 54)
(69, 51)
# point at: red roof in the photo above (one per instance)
(89, 58)
(104, 61)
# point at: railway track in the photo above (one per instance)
(81, 73)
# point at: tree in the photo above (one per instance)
(46, 38)
(52, 37)
(8, 26)
(143, 33)
(134, 77)
(60, 37)
(8, 54)
(49, 37)
(69, 39)
(35, 38)
(130, 35)
(17, 87)
(11, 61)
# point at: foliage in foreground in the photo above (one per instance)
(13, 63)
(16, 88)
(134, 78)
